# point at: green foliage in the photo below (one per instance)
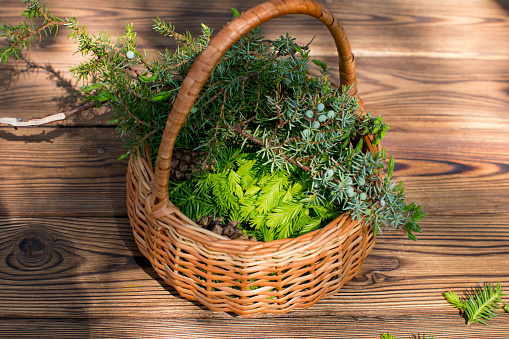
(23, 35)
(454, 299)
(269, 205)
(261, 98)
(415, 336)
(479, 304)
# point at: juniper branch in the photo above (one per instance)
(275, 149)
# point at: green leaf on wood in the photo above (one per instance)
(480, 304)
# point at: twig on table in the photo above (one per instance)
(17, 122)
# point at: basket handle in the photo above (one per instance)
(210, 57)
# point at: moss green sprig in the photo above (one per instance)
(415, 336)
(22, 36)
(479, 304)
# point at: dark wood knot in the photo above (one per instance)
(33, 250)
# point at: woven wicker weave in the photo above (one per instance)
(243, 277)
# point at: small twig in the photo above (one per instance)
(239, 130)
(258, 99)
(17, 122)
(136, 94)
(309, 43)
(216, 132)
(179, 64)
(287, 141)
(294, 51)
(339, 165)
(133, 70)
(145, 138)
(134, 116)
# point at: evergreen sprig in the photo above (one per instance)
(269, 205)
(22, 36)
(479, 304)
(415, 336)
(261, 98)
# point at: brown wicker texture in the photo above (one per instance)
(243, 277)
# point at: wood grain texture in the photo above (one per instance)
(328, 327)
(62, 171)
(438, 72)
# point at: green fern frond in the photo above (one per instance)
(225, 197)
(482, 303)
(233, 182)
(294, 191)
(288, 219)
(268, 205)
(245, 172)
(454, 299)
(251, 191)
(267, 234)
(479, 304)
(415, 336)
(247, 208)
(308, 225)
(271, 192)
(189, 201)
(283, 214)
(228, 158)
(325, 212)
(258, 221)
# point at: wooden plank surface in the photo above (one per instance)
(438, 72)
(62, 172)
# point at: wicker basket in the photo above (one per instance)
(243, 277)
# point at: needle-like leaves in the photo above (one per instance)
(415, 336)
(480, 304)
(261, 99)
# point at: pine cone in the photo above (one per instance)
(216, 225)
(185, 163)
